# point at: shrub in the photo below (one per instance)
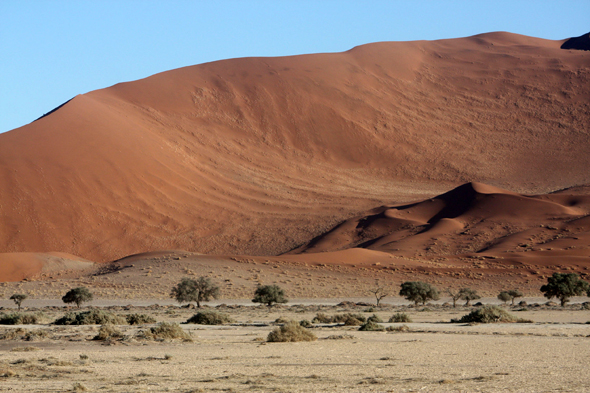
(210, 318)
(23, 334)
(108, 332)
(504, 296)
(199, 290)
(418, 292)
(269, 294)
(371, 326)
(563, 286)
(291, 332)
(322, 318)
(77, 295)
(92, 317)
(18, 318)
(489, 314)
(18, 298)
(139, 319)
(347, 319)
(374, 318)
(398, 329)
(305, 323)
(165, 331)
(400, 317)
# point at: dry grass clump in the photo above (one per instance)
(400, 317)
(489, 314)
(398, 329)
(210, 318)
(92, 317)
(347, 319)
(18, 318)
(291, 332)
(23, 334)
(371, 326)
(108, 332)
(165, 331)
(139, 319)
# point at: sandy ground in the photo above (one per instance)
(434, 355)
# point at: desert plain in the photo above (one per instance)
(460, 162)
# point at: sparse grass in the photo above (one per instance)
(489, 314)
(165, 331)
(92, 317)
(139, 319)
(400, 317)
(371, 326)
(291, 332)
(23, 334)
(210, 318)
(18, 318)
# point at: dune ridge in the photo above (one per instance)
(260, 155)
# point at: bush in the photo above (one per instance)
(398, 329)
(374, 318)
(210, 318)
(92, 317)
(139, 319)
(23, 334)
(489, 314)
(305, 323)
(400, 317)
(18, 318)
(291, 332)
(347, 319)
(165, 331)
(371, 326)
(108, 332)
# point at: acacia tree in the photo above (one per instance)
(77, 295)
(514, 293)
(18, 298)
(418, 292)
(269, 294)
(379, 292)
(455, 295)
(468, 295)
(504, 296)
(200, 290)
(563, 286)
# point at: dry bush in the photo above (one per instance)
(398, 329)
(347, 319)
(108, 332)
(139, 319)
(291, 332)
(305, 323)
(23, 334)
(210, 318)
(92, 317)
(400, 317)
(165, 331)
(340, 337)
(489, 314)
(371, 326)
(17, 318)
(374, 318)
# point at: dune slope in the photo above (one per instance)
(260, 155)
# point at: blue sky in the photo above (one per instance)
(52, 50)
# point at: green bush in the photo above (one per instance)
(291, 332)
(139, 319)
(17, 318)
(92, 317)
(400, 317)
(489, 314)
(371, 326)
(374, 318)
(108, 332)
(165, 331)
(210, 318)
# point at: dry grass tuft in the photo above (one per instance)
(92, 317)
(489, 314)
(165, 331)
(210, 318)
(108, 332)
(291, 332)
(400, 317)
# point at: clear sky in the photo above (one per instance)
(52, 50)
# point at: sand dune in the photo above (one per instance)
(260, 155)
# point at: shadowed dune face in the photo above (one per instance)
(260, 155)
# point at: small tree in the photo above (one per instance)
(468, 295)
(77, 295)
(379, 292)
(200, 290)
(455, 295)
(269, 294)
(504, 296)
(18, 298)
(419, 292)
(563, 286)
(514, 293)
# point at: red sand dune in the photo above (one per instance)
(260, 155)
